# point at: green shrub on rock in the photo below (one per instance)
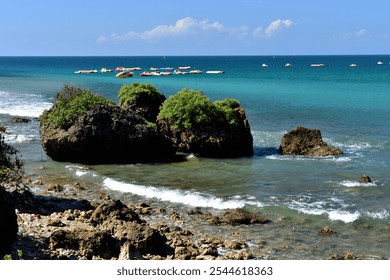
(128, 93)
(70, 103)
(189, 109)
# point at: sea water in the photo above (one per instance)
(350, 105)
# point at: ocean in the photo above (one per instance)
(349, 105)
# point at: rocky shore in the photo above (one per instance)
(55, 222)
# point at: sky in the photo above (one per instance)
(200, 27)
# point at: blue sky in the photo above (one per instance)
(200, 27)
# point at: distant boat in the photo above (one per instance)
(145, 73)
(264, 65)
(317, 65)
(85, 71)
(379, 63)
(184, 67)
(353, 65)
(195, 72)
(124, 74)
(105, 70)
(215, 72)
(288, 65)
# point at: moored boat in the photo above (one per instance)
(288, 65)
(317, 65)
(105, 70)
(85, 71)
(145, 73)
(195, 72)
(353, 65)
(124, 74)
(215, 72)
(264, 65)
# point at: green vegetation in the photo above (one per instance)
(189, 108)
(8, 158)
(128, 93)
(70, 103)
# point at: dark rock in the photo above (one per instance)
(224, 141)
(365, 179)
(20, 120)
(114, 209)
(241, 216)
(306, 142)
(8, 222)
(326, 231)
(94, 243)
(108, 134)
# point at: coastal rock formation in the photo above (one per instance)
(8, 222)
(241, 216)
(365, 179)
(198, 126)
(107, 134)
(306, 142)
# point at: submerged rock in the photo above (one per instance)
(306, 142)
(365, 179)
(241, 216)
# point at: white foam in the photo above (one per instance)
(191, 198)
(23, 105)
(383, 214)
(353, 184)
(344, 216)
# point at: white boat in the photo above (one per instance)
(184, 67)
(264, 65)
(288, 65)
(379, 63)
(105, 70)
(353, 65)
(85, 71)
(124, 74)
(195, 72)
(215, 72)
(317, 65)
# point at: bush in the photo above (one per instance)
(188, 109)
(9, 160)
(69, 104)
(129, 93)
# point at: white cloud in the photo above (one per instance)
(273, 28)
(361, 32)
(182, 26)
(277, 25)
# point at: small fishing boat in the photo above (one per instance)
(124, 74)
(184, 67)
(264, 65)
(215, 72)
(379, 63)
(353, 65)
(288, 65)
(145, 73)
(85, 71)
(317, 65)
(195, 72)
(105, 70)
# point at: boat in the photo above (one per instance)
(288, 65)
(85, 71)
(195, 72)
(105, 70)
(353, 65)
(317, 65)
(184, 67)
(124, 74)
(379, 63)
(153, 69)
(166, 68)
(264, 65)
(215, 72)
(145, 73)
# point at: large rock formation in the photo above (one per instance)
(107, 134)
(306, 142)
(198, 126)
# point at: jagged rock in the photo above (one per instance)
(114, 209)
(326, 230)
(91, 244)
(306, 142)
(108, 134)
(20, 120)
(365, 179)
(8, 222)
(241, 216)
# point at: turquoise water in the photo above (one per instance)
(350, 105)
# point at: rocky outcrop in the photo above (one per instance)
(8, 222)
(223, 141)
(365, 179)
(306, 142)
(242, 216)
(107, 134)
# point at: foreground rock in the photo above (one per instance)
(306, 142)
(107, 134)
(8, 222)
